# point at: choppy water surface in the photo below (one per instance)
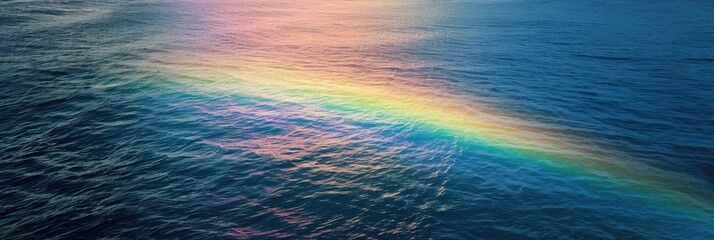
(357, 119)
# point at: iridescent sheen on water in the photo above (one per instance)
(358, 119)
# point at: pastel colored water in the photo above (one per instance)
(357, 119)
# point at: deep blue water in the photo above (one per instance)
(97, 142)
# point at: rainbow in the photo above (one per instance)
(318, 58)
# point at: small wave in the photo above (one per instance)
(699, 59)
(615, 58)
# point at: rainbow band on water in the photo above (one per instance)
(478, 124)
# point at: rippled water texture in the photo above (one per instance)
(367, 119)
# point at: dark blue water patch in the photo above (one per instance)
(612, 76)
(57, 132)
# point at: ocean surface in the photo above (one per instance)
(362, 119)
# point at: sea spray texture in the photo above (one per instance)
(357, 119)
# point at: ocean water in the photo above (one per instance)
(360, 119)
